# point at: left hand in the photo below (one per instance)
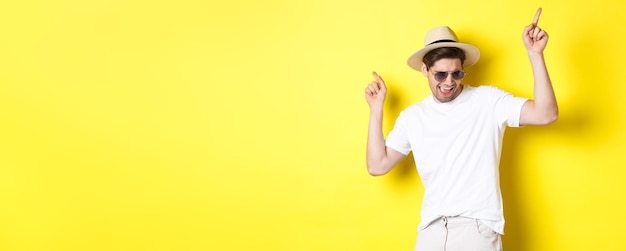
(535, 39)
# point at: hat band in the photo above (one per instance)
(442, 41)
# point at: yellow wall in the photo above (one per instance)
(240, 125)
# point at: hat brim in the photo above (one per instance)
(471, 54)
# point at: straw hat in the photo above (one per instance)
(443, 36)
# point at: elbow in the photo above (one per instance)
(550, 118)
(533, 114)
(553, 118)
(376, 170)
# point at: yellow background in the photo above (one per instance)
(241, 125)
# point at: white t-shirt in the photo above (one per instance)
(456, 147)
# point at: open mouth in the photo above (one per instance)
(446, 90)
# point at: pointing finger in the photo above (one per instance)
(536, 19)
(378, 79)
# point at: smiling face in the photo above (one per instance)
(448, 89)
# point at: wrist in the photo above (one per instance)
(535, 57)
(376, 109)
(534, 54)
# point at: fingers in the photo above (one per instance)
(535, 33)
(536, 19)
(375, 86)
(540, 35)
(372, 89)
(379, 79)
(535, 39)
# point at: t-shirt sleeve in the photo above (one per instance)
(398, 138)
(508, 108)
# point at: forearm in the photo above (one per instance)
(544, 98)
(376, 150)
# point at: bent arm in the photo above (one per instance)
(543, 108)
(380, 158)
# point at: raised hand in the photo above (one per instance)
(535, 39)
(376, 91)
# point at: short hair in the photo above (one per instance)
(444, 52)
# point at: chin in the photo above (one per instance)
(446, 99)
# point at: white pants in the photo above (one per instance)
(458, 233)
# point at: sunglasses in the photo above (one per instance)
(441, 76)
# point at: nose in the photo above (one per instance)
(449, 80)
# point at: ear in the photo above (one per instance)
(424, 70)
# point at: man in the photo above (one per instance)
(456, 138)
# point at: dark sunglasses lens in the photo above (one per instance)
(441, 76)
(458, 75)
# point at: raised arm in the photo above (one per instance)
(543, 108)
(380, 159)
